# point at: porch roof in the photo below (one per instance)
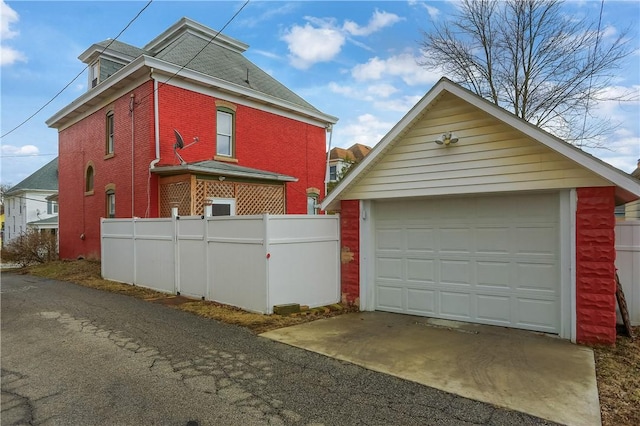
(219, 168)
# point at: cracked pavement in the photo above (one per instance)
(73, 355)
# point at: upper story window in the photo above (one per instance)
(109, 145)
(94, 74)
(52, 207)
(225, 131)
(88, 179)
(333, 173)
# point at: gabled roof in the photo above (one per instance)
(219, 168)
(627, 187)
(43, 179)
(208, 57)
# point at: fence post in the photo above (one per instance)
(176, 253)
(209, 280)
(267, 257)
(134, 244)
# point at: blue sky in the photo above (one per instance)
(353, 60)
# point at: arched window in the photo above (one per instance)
(110, 200)
(225, 130)
(88, 179)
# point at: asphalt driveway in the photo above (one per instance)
(73, 355)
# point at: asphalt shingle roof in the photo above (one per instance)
(45, 178)
(122, 48)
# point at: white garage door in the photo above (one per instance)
(491, 260)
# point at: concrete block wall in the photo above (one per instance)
(595, 268)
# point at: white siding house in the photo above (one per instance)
(26, 203)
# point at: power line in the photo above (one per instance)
(25, 155)
(78, 75)
(199, 52)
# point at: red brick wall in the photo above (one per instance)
(595, 269)
(84, 142)
(263, 141)
(350, 251)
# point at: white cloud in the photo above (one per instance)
(367, 130)
(404, 66)
(378, 21)
(20, 150)
(322, 39)
(309, 45)
(402, 104)
(369, 93)
(8, 17)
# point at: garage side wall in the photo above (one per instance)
(595, 268)
(350, 251)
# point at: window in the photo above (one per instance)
(312, 205)
(224, 126)
(110, 198)
(52, 207)
(94, 74)
(333, 174)
(109, 141)
(88, 179)
(222, 207)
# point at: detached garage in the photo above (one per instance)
(466, 212)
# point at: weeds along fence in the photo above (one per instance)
(252, 262)
(628, 265)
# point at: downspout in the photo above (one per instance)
(133, 156)
(329, 128)
(156, 129)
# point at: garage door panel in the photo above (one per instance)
(390, 268)
(456, 240)
(540, 277)
(536, 314)
(492, 260)
(534, 241)
(421, 240)
(494, 274)
(390, 239)
(421, 270)
(457, 272)
(493, 240)
(421, 301)
(390, 297)
(455, 305)
(496, 309)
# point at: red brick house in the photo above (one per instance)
(184, 122)
(465, 212)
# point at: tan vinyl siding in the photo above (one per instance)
(489, 157)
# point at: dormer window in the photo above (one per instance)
(94, 74)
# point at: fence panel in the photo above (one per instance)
(192, 256)
(118, 241)
(628, 264)
(252, 262)
(155, 254)
(304, 260)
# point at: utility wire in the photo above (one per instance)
(199, 52)
(78, 75)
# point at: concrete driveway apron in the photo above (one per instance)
(520, 370)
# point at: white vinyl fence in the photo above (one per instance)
(253, 262)
(628, 264)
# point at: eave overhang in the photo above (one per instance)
(146, 65)
(220, 169)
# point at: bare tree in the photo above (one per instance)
(532, 59)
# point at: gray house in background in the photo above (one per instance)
(33, 203)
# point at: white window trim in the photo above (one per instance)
(229, 201)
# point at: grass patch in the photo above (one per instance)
(618, 374)
(617, 367)
(87, 273)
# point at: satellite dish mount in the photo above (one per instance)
(180, 145)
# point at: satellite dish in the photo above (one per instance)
(179, 141)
